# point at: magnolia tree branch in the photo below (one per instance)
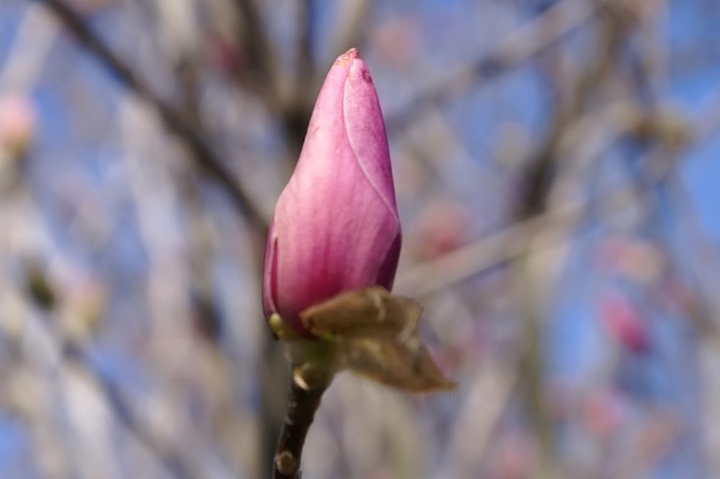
(663, 193)
(538, 176)
(306, 27)
(261, 75)
(525, 44)
(42, 294)
(539, 180)
(302, 404)
(202, 153)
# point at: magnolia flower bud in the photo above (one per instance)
(336, 226)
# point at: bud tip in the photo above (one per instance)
(347, 57)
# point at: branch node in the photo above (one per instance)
(286, 463)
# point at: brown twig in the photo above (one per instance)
(306, 18)
(302, 404)
(259, 76)
(296, 110)
(202, 154)
(538, 177)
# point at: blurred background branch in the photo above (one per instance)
(187, 133)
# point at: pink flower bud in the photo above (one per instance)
(336, 226)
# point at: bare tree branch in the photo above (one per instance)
(302, 404)
(537, 178)
(523, 45)
(260, 74)
(202, 153)
(74, 353)
(306, 21)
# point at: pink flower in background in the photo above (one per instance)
(224, 54)
(514, 455)
(17, 122)
(624, 324)
(633, 258)
(336, 226)
(396, 41)
(443, 228)
(603, 412)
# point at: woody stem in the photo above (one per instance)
(303, 401)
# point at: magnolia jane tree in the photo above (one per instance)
(527, 289)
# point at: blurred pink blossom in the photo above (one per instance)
(636, 259)
(17, 123)
(515, 457)
(397, 41)
(442, 228)
(603, 413)
(623, 322)
(224, 54)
